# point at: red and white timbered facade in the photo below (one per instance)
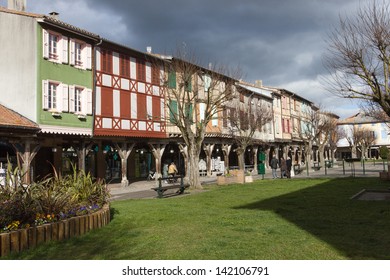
(129, 95)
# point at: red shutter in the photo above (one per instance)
(141, 71)
(106, 61)
(141, 107)
(155, 75)
(125, 104)
(107, 103)
(156, 108)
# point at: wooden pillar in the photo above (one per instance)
(158, 151)
(208, 149)
(25, 156)
(124, 151)
(82, 152)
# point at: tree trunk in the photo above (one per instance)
(193, 162)
(241, 157)
(321, 150)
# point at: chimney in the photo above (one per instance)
(54, 15)
(149, 49)
(17, 5)
(258, 83)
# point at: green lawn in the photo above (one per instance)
(300, 219)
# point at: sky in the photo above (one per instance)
(280, 42)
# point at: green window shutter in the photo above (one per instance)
(172, 110)
(189, 86)
(172, 79)
(189, 112)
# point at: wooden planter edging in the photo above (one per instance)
(23, 239)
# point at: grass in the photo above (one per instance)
(300, 219)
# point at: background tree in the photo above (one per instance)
(336, 134)
(354, 137)
(245, 119)
(307, 135)
(358, 56)
(194, 96)
(325, 130)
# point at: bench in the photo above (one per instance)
(316, 166)
(172, 185)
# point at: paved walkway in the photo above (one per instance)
(142, 189)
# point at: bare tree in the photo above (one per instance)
(245, 120)
(354, 137)
(336, 134)
(194, 97)
(325, 130)
(358, 56)
(366, 139)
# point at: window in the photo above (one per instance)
(58, 97)
(52, 96)
(55, 47)
(53, 50)
(80, 100)
(77, 100)
(80, 54)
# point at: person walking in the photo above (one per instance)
(274, 166)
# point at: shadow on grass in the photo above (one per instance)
(357, 229)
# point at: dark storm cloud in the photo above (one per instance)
(278, 41)
(264, 37)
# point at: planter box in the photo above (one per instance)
(19, 240)
(226, 180)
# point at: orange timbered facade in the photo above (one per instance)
(129, 94)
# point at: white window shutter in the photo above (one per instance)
(88, 52)
(65, 49)
(214, 121)
(89, 101)
(71, 98)
(45, 44)
(162, 105)
(59, 100)
(45, 95)
(202, 111)
(148, 72)
(72, 52)
(65, 98)
(149, 106)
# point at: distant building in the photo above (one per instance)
(363, 135)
